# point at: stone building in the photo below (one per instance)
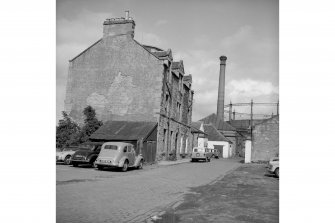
(124, 80)
(228, 131)
(265, 140)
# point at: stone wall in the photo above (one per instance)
(265, 140)
(118, 78)
(173, 128)
(122, 81)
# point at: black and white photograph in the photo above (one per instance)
(167, 111)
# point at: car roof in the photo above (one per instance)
(117, 143)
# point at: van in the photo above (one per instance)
(201, 153)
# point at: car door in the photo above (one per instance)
(131, 155)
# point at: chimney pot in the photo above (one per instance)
(223, 60)
(127, 14)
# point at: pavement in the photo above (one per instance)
(247, 194)
(169, 163)
(85, 194)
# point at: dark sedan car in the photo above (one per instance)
(87, 154)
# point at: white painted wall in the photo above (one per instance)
(202, 142)
(226, 151)
(247, 155)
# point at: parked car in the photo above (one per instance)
(216, 154)
(201, 153)
(86, 154)
(273, 166)
(65, 154)
(119, 154)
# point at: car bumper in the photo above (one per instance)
(270, 169)
(107, 163)
(80, 162)
(59, 159)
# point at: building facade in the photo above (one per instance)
(124, 80)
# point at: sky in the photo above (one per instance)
(197, 32)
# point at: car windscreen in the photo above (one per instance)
(70, 149)
(198, 150)
(87, 147)
(112, 147)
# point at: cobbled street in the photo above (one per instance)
(85, 194)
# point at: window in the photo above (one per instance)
(112, 147)
(128, 149)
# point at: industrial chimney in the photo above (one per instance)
(220, 104)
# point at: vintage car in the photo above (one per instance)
(216, 154)
(273, 166)
(201, 153)
(64, 155)
(118, 154)
(86, 154)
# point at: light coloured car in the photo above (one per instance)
(118, 154)
(201, 153)
(66, 154)
(273, 166)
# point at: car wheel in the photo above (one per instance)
(100, 167)
(125, 166)
(277, 172)
(192, 160)
(92, 162)
(140, 165)
(67, 160)
(75, 164)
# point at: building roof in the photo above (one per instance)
(244, 124)
(123, 130)
(152, 48)
(188, 78)
(214, 134)
(195, 127)
(218, 123)
(163, 54)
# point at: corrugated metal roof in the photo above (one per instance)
(213, 134)
(123, 130)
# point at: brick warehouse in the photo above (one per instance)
(124, 80)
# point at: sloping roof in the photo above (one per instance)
(151, 48)
(85, 50)
(218, 123)
(175, 64)
(195, 127)
(188, 78)
(214, 134)
(163, 54)
(123, 130)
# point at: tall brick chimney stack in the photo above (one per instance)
(221, 91)
(119, 27)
